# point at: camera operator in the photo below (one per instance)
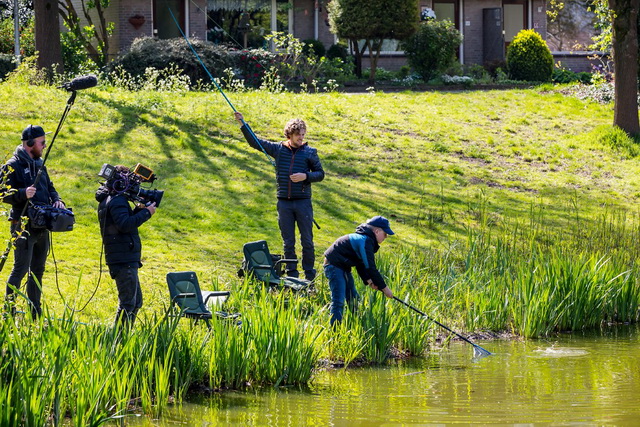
(119, 227)
(31, 244)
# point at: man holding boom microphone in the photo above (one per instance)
(32, 244)
(297, 166)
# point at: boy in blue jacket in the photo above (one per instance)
(355, 250)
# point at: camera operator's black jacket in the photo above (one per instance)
(24, 171)
(119, 226)
(289, 161)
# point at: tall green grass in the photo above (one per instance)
(533, 283)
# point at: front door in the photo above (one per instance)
(515, 19)
(164, 24)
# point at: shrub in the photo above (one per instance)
(563, 75)
(144, 53)
(315, 47)
(27, 38)
(338, 50)
(493, 66)
(404, 72)
(7, 64)
(432, 48)
(529, 58)
(74, 54)
(336, 69)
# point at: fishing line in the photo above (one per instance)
(220, 26)
(225, 96)
(218, 87)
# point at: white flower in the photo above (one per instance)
(427, 13)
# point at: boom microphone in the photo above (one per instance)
(79, 83)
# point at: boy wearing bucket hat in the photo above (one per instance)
(355, 250)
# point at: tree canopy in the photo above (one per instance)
(367, 24)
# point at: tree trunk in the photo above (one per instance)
(48, 36)
(625, 62)
(358, 58)
(374, 53)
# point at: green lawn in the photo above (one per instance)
(436, 164)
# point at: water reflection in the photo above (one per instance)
(573, 379)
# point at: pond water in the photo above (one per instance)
(574, 379)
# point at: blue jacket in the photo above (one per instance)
(23, 175)
(357, 250)
(119, 226)
(289, 161)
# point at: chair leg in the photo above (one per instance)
(208, 323)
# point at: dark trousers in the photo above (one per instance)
(291, 212)
(30, 256)
(343, 291)
(129, 292)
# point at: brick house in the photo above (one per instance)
(137, 18)
(488, 26)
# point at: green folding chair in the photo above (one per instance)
(259, 263)
(192, 302)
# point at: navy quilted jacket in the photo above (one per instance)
(289, 161)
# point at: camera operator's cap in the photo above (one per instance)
(32, 132)
(381, 222)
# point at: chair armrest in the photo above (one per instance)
(280, 261)
(261, 266)
(216, 294)
(189, 295)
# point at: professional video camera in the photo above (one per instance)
(127, 182)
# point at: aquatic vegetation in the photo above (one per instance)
(533, 281)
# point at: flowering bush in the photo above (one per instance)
(252, 64)
(457, 80)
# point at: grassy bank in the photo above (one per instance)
(514, 210)
(436, 164)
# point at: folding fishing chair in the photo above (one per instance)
(259, 263)
(191, 301)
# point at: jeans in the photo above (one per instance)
(30, 256)
(343, 290)
(291, 212)
(129, 292)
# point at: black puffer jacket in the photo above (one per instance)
(119, 226)
(289, 161)
(23, 175)
(357, 250)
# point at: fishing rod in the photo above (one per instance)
(477, 350)
(73, 86)
(218, 86)
(253, 135)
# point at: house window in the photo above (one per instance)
(447, 9)
(164, 25)
(515, 18)
(245, 23)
